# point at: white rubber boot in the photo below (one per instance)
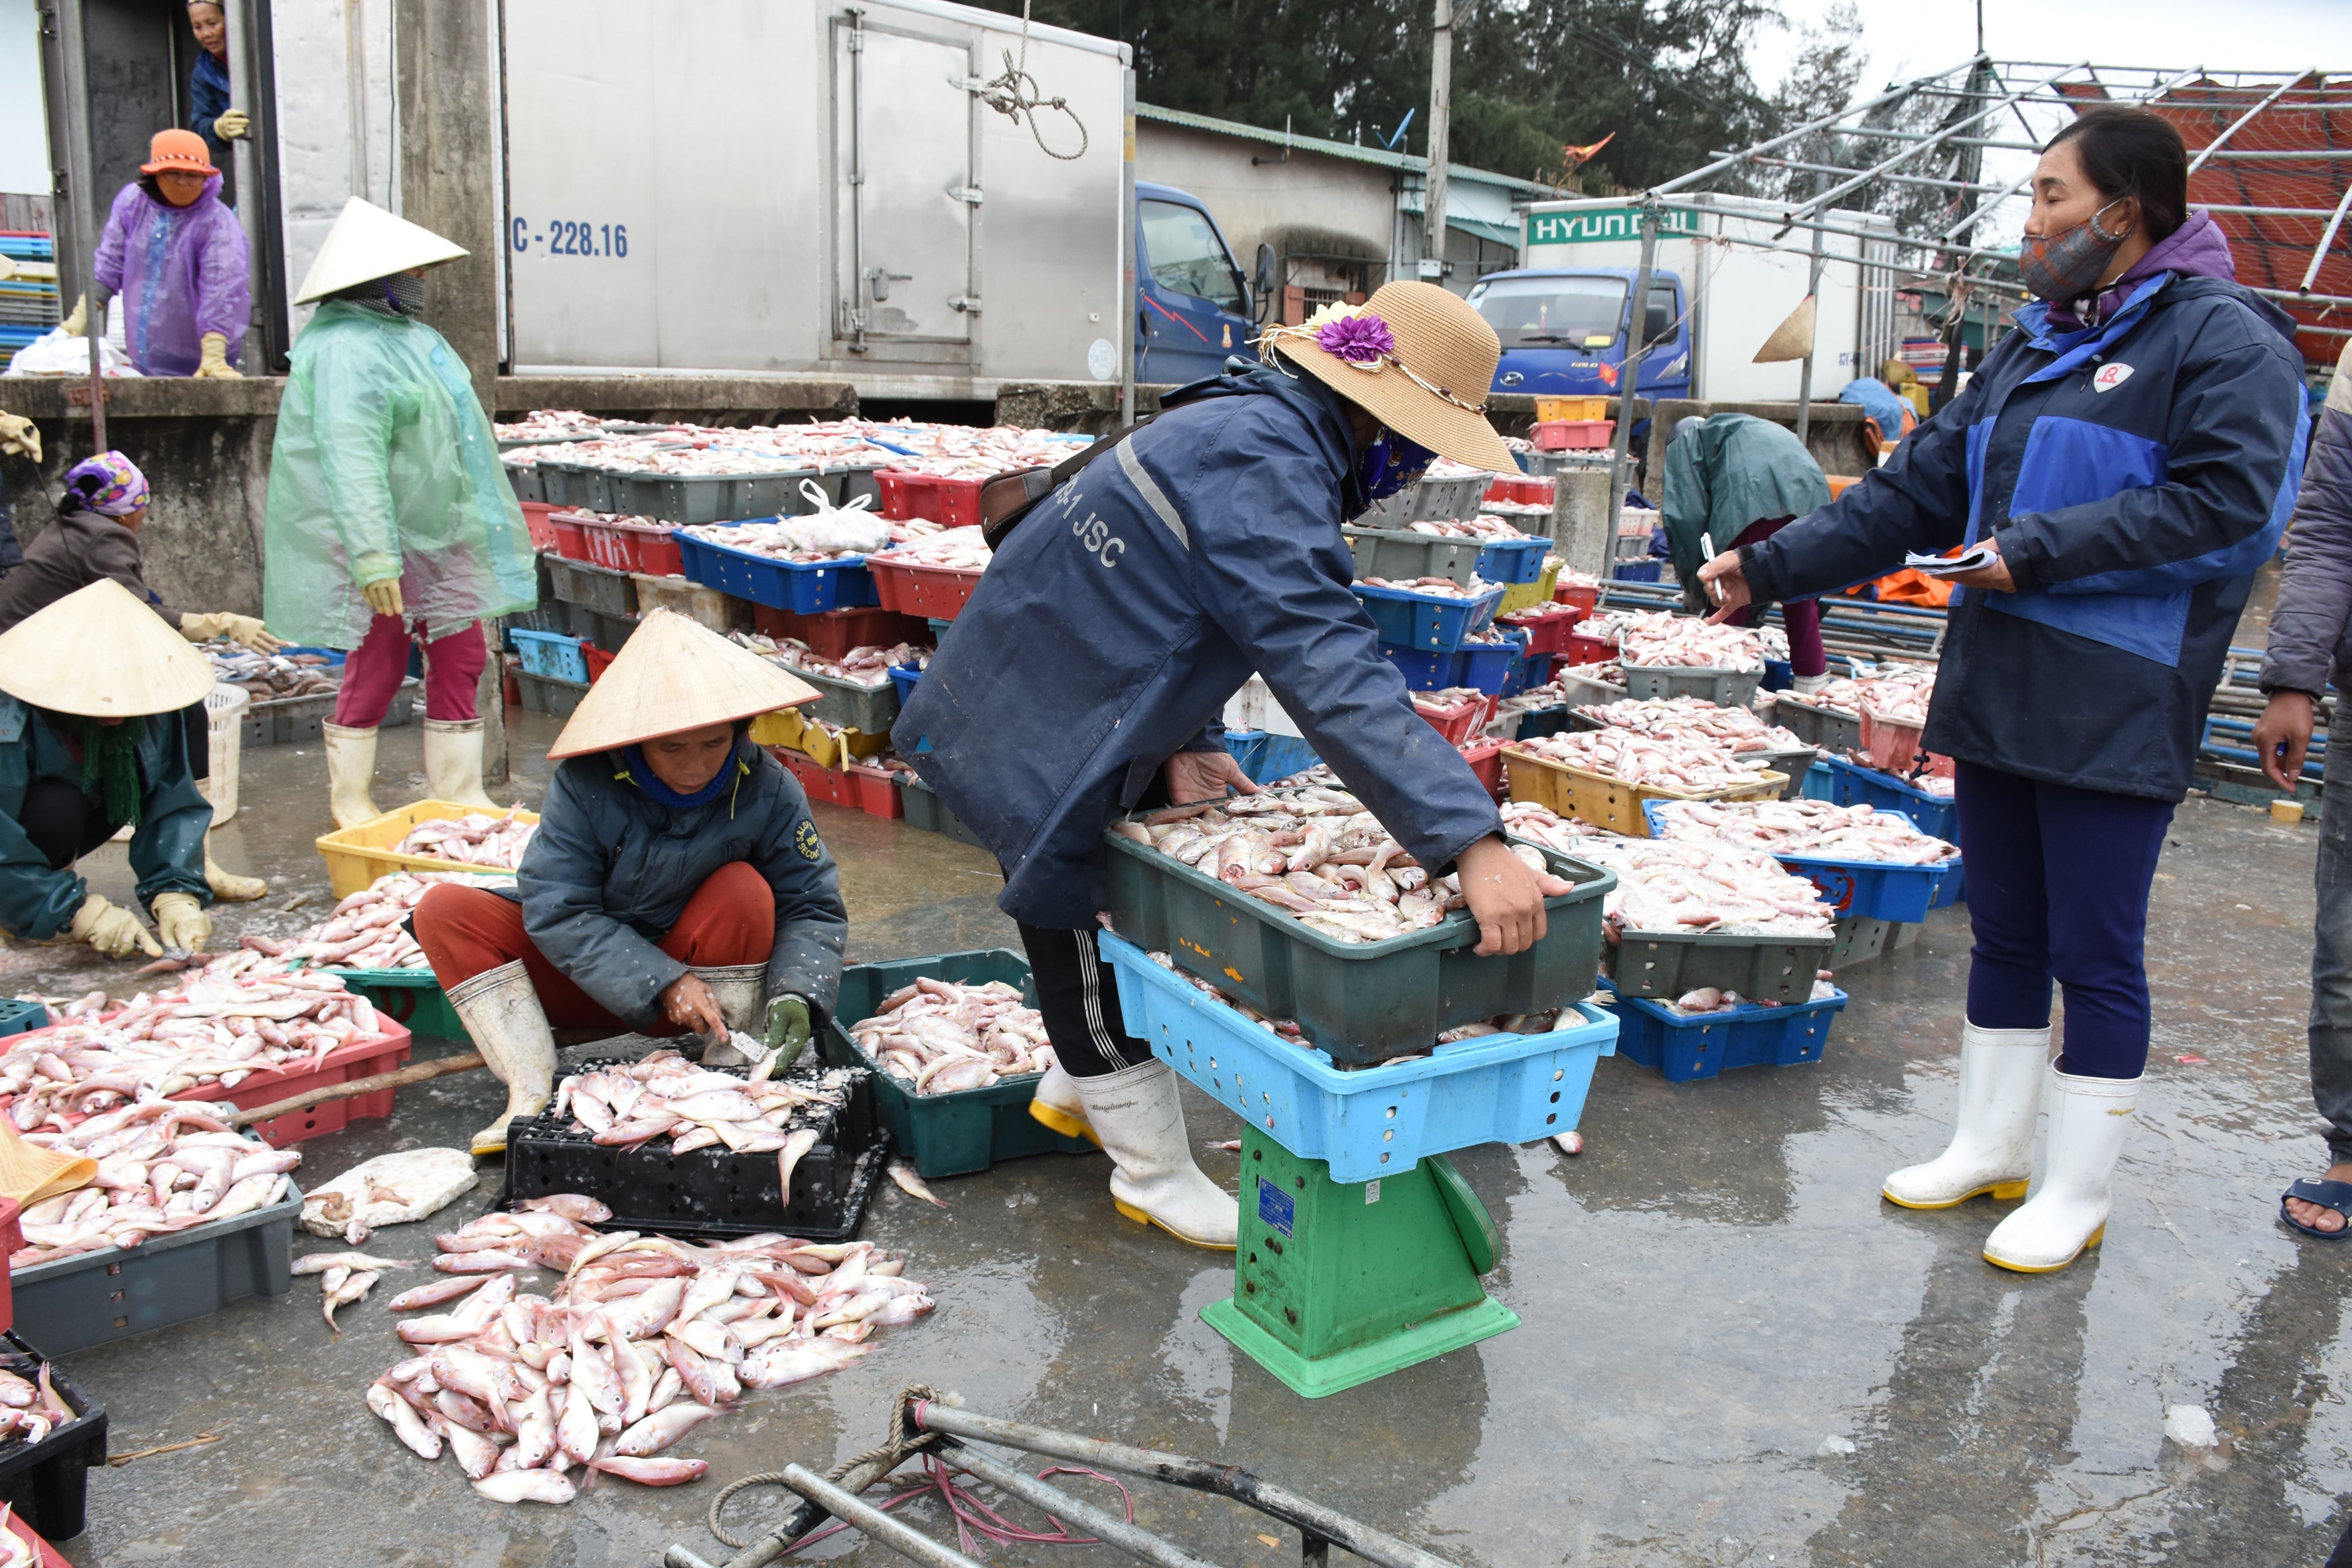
(351, 770)
(502, 1013)
(1992, 1145)
(1804, 685)
(2066, 1211)
(739, 988)
(1058, 1105)
(453, 762)
(227, 886)
(1136, 1116)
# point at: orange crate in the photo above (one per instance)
(934, 593)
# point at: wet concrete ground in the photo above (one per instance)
(1733, 1352)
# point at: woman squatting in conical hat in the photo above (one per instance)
(1087, 675)
(676, 884)
(90, 740)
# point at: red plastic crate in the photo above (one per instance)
(935, 592)
(1459, 722)
(535, 514)
(12, 1237)
(1547, 632)
(598, 660)
(44, 1554)
(1580, 648)
(1486, 760)
(1572, 434)
(1521, 490)
(571, 534)
(1586, 598)
(835, 633)
(822, 783)
(902, 494)
(1895, 747)
(956, 502)
(877, 792)
(625, 546)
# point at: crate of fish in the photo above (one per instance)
(804, 588)
(632, 544)
(1358, 976)
(818, 781)
(1931, 813)
(1477, 667)
(1703, 1034)
(1265, 757)
(1614, 804)
(1403, 555)
(592, 587)
(877, 791)
(1860, 940)
(927, 811)
(721, 612)
(1883, 868)
(1486, 760)
(1456, 714)
(813, 1133)
(903, 677)
(852, 704)
(400, 840)
(71, 1302)
(1448, 498)
(1496, 1085)
(550, 654)
(1724, 688)
(835, 633)
(1549, 626)
(707, 497)
(1513, 560)
(1834, 730)
(45, 1480)
(1430, 622)
(293, 721)
(949, 1114)
(414, 999)
(910, 586)
(1526, 595)
(1892, 744)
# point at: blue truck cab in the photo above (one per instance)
(1193, 308)
(1564, 331)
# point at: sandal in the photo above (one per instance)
(2327, 1194)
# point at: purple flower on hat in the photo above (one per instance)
(1361, 339)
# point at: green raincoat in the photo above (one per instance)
(385, 465)
(1733, 470)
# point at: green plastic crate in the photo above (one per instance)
(410, 998)
(946, 1134)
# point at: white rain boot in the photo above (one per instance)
(1136, 1116)
(739, 988)
(2067, 1209)
(1058, 1105)
(351, 770)
(1992, 1145)
(227, 886)
(501, 1012)
(1806, 685)
(453, 762)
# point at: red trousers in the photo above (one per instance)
(731, 920)
(373, 670)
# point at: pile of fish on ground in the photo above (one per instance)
(641, 1340)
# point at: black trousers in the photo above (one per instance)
(63, 823)
(1079, 994)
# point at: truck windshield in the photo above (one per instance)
(1551, 311)
(1187, 255)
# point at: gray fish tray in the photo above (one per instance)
(1666, 964)
(1402, 556)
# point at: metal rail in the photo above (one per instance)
(902, 1539)
(1135, 1542)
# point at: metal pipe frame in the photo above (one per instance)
(1841, 169)
(798, 1520)
(2244, 119)
(1318, 1523)
(1136, 1541)
(904, 1540)
(1822, 201)
(1807, 128)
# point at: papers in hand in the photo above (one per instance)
(1975, 558)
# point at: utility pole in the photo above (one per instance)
(246, 164)
(1441, 121)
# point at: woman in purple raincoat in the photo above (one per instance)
(177, 258)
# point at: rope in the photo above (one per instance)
(1017, 93)
(896, 1448)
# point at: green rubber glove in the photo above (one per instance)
(788, 1032)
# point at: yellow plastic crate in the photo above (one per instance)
(787, 729)
(356, 857)
(1579, 408)
(1610, 805)
(1527, 595)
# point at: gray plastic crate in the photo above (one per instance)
(545, 694)
(1724, 688)
(872, 708)
(1793, 764)
(607, 632)
(598, 588)
(100, 1297)
(524, 478)
(1666, 964)
(291, 721)
(1833, 732)
(714, 498)
(1450, 500)
(1402, 556)
(721, 612)
(927, 811)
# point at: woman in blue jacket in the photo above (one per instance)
(2130, 454)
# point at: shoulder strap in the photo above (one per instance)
(1005, 500)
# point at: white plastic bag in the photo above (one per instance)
(850, 530)
(54, 353)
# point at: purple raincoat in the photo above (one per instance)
(177, 273)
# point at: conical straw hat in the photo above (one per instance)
(1430, 386)
(99, 652)
(368, 243)
(1792, 339)
(29, 1173)
(675, 674)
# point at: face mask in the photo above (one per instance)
(1390, 464)
(2059, 267)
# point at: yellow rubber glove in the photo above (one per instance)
(181, 921)
(232, 125)
(383, 597)
(246, 630)
(19, 438)
(75, 323)
(214, 366)
(115, 932)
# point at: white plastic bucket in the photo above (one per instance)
(225, 710)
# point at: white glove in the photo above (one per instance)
(182, 921)
(115, 932)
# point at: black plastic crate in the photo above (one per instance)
(48, 1482)
(713, 1194)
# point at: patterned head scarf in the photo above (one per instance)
(108, 484)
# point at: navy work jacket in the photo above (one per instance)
(610, 869)
(2134, 474)
(1132, 602)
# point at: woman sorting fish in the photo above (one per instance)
(90, 742)
(2125, 459)
(675, 885)
(1087, 675)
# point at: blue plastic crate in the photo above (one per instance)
(1481, 666)
(1371, 1122)
(1265, 757)
(333, 656)
(1513, 560)
(18, 1017)
(1635, 571)
(552, 655)
(1852, 786)
(904, 677)
(1816, 784)
(1432, 623)
(1871, 890)
(1954, 890)
(804, 588)
(1703, 1045)
(1779, 675)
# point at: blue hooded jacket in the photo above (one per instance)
(2134, 473)
(1121, 615)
